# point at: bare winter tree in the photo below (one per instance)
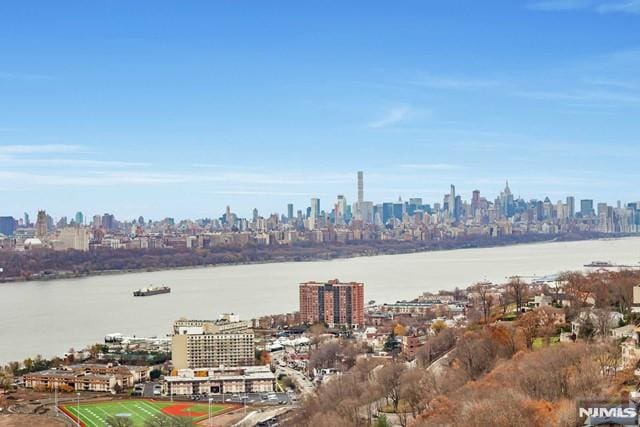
(518, 289)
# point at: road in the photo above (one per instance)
(304, 384)
(442, 362)
(257, 417)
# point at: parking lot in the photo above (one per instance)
(248, 398)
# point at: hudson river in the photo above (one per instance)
(49, 317)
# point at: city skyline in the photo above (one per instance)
(328, 205)
(152, 114)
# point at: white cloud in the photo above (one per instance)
(618, 84)
(391, 117)
(628, 6)
(102, 178)
(553, 5)
(261, 193)
(456, 83)
(40, 149)
(611, 6)
(23, 76)
(431, 166)
(21, 162)
(595, 97)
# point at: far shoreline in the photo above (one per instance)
(401, 251)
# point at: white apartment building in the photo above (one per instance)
(205, 343)
(246, 379)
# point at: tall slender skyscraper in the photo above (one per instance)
(452, 203)
(360, 187)
(571, 207)
(290, 211)
(315, 207)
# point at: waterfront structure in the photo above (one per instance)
(219, 380)
(227, 341)
(333, 303)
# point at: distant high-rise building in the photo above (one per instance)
(362, 210)
(475, 201)
(27, 222)
(62, 222)
(315, 207)
(457, 207)
(42, 224)
(387, 212)
(76, 237)
(398, 210)
(452, 202)
(571, 207)
(254, 214)
(333, 303)
(108, 222)
(314, 212)
(586, 208)
(79, 218)
(7, 225)
(290, 211)
(340, 209)
(507, 202)
(227, 217)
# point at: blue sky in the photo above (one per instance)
(174, 108)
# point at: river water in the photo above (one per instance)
(49, 317)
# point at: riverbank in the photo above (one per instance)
(229, 256)
(48, 317)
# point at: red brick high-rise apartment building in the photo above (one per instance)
(333, 303)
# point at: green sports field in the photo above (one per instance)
(141, 413)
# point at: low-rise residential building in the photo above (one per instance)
(411, 344)
(87, 377)
(244, 379)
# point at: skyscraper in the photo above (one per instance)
(79, 218)
(506, 201)
(571, 207)
(41, 224)
(290, 211)
(586, 208)
(360, 186)
(475, 201)
(387, 212)
(26, 220)
(108, 222)
(7, 225)
(452, 202)
(340, 209)
(315, 207)
(314, 212)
